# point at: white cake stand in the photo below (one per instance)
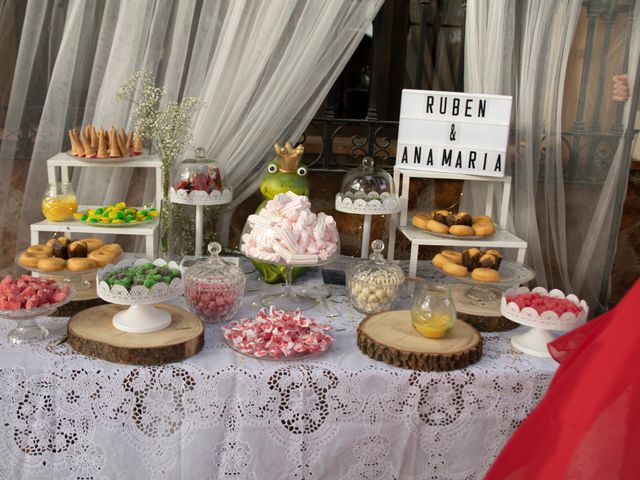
(142, 316)
(534, 341)
(200, 199)
(385, 204)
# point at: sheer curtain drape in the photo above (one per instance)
(567, 223)
(261, 67)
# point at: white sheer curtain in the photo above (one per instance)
(567, 224)
(262, 67)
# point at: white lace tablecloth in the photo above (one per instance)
(220, 415)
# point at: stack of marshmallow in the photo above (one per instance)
(286, 231)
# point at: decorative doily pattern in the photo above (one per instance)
(200, 197)
(220, 415)
(372, 204)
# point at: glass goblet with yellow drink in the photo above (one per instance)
(433, 313)
(59, 202)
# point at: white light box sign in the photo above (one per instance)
(453, 132)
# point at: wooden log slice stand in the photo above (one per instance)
(91, 332)
(390, 337)
(485, 316)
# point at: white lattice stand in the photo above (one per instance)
(501, 239)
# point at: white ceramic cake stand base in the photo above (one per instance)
(533, 342)
(141, 319)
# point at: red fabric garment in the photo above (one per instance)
(587, 426)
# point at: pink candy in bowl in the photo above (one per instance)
(213, 288)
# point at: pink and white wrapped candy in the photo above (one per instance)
(278, 334)
(287, 231)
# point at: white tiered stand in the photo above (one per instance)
(501, 239)
(62, 163)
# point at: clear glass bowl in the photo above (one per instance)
(28, 330)
(199, 174)
(290, 247)
(367, 189)
(59, 202)
(213, 288)
(433, 313)
(373, 285)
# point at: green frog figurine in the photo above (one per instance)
(284, 174)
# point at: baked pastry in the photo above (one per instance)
(40, 250)
(481, 219)
(137, 144)
(440, 216)
(452, 256)
(483, 229)
(495, 253)
(29, 259)
(420, 220)
(485, 275)
(471, 258)
(92, 243)
(461, 230)
(437, 227)
(488, 261)
(78, 249)
(102, 257)
(113, 248)
(78, 264)
(455, 269)
(460, 218)
(439, 261)
(60, 248)
(51, 264)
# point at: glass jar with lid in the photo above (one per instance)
(373, 285)
(213, 287)
(201, 175)
(367, 189)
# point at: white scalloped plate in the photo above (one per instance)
(547, 320)
(139, 294)
(381, 206)
(198, 197)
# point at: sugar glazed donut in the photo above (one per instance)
(51, 264)
(79, 264)
(40, 250)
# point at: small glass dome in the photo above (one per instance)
(373, 285)
(367, 189)
(200, 174)
(213, 287)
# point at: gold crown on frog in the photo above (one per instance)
(288, 157)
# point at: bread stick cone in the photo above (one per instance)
(103, 149)
(114, 151)
(89, 152)
(137, 144)
(122, 144)
(87, 131)
(76, 147)
(94, 138)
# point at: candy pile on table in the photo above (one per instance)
(287, 231)
(206, 182)
(146, 274)
(30, 292)
(116, 213)
(544, 303)
(278, 334)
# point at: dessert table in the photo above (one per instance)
(221, 415)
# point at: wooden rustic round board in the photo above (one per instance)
(91, 332)
(485, 316)
(391, 338)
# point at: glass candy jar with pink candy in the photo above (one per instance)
(213, 288)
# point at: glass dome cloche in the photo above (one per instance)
(199, 181)
(213, 287)
(368, 190)
(373, 285)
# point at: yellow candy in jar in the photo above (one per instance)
(59, 208)
(433, 313)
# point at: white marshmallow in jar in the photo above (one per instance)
(373, 285)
